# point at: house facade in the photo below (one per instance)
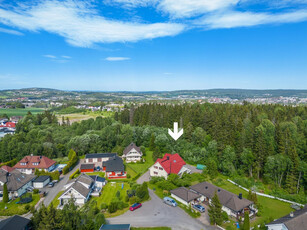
(29, 163)
(17, 182)
(296, 220)
(98, 158)
(170, 163)
(185, 196)
(132, 153)
(234, 205)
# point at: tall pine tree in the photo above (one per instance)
(215, 210)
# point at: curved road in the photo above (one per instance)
(155, 213)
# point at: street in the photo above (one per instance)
(155, 213)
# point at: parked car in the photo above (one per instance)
(135, 206)
(51, 184)
(30, 189)
(199, 208)
(98, 168)
(169, 201)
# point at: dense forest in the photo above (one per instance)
(265, 143)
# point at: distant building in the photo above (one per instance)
(17, 182)
(170, 163)
(29, 163)
(296, 220)
(132, 153)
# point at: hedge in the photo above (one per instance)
(72, 163)
(10, 163)
(54, 175)
(77, 172)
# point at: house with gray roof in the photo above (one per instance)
(296, 220)
(98, 158)
(114, 168)
(185, 195)
(234, 205)
(132, 153)
(17, 182)
(15, 223)
(79, 189)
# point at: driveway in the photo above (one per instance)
(59, 186)
(143, 178)
(155, 213)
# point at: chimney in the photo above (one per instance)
(291, 214)
(240, 196)
(31, 154)
(167, 157)
(219, 190)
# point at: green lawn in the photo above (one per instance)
(152, 228)
(101, 174)
(142, 167)
(55, 201)
(270, 207)
(17, 209)
(20, 112)
(109, 193)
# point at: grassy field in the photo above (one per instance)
(20, 112)
(271, 208)
(77, 117)
(141, 167)
(101, 174)
(17, 209)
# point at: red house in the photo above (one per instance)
(170, 163)
(29, 163)
(87, 168)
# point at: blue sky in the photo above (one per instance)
(144, 45)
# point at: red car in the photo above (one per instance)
(135, 206)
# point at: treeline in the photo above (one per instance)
(266, 141)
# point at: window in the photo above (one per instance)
(156, 167)
(23, 163)
(155, 173)
(161, 168)
(35, 163)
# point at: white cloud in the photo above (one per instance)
(117, 58)
(81, 25)
(8, 31)
(49, 56)
(245, 19)
(189, 8)
(66, 57)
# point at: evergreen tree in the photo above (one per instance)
(215, 210)
(152, 144)
(5, 198)
(246, 224)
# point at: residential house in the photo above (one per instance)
(87, 168)
(7, 168)
(170, 163)
(17, 182)
(29, 163)
(79, 189)
(99, 181)
(15, 223)
(234, 205)
(185, 196)
(98, 158)
(132, 153)
(15, 119)
(296, 220)
(114, 168)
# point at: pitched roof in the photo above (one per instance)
(172, 163)
(185, 194)
(7, 168)
(14, 180)
(132, 146)
(84, 178)
(297, 222)
(227, 199)
(41, 178)
(14, 223)
(98, 178)
(115, 164)
(87, 166)
(99, 155)
(81, 189)
(43, 162)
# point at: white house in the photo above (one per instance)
(185, 196)
(79, 189)
(296, 220)
(17, 182)
(132, 153)
(170, 163)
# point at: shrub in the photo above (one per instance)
(128, 176)
(225, 216)
(112, 207)
(104, 206)
(54, 175)
(5, 198)
(27, 207)
(118, 194)
(35, 191)
(75, 174)
(71, 163)
(134, 200)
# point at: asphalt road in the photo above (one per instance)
(59, 186)
(155, 213)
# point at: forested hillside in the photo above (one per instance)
(266, 143)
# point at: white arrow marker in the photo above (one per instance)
(175, 135)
